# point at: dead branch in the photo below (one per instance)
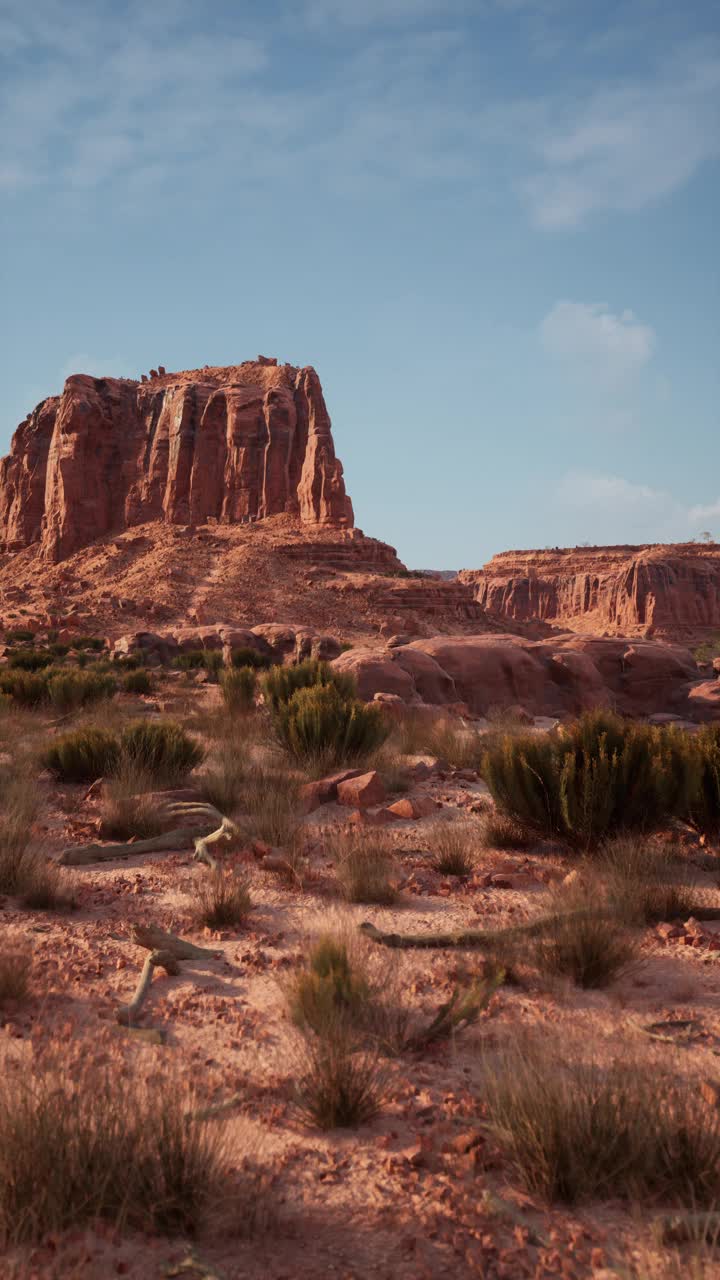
(127, 1013)
(154, 939)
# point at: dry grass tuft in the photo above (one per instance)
(342, 1085)
(222, 898)
(450, 740)
(125, 809)
(644, 882)
(269, 803)
(499, 832)
(222, 782)
(577, 1129)
(582, 943)
(364, 866)
(15, 967)
(79, 1142)
(453, 847)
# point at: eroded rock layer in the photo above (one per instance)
(622, 589)
(228, 444)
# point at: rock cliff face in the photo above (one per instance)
(228, 444)
(621, 589)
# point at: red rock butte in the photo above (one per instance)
(233, 445)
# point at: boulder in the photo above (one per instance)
(413, 807)
(324, 790)
(362, 791)
(375, 672)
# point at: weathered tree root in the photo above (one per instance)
(154, 939)
(127, 1014)
(482, 939)
(220, 828)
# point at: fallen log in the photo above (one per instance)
(83, 855)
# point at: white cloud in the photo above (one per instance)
(595, 340)
(627, 146)
(620, 509)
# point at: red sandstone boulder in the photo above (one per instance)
(375, 672)
(362, 791)
(324, 790)
(413, 807)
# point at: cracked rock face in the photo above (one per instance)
(230, 444)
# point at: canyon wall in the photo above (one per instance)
(618, 590)
(230, 444)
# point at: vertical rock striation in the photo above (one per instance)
(229, 444)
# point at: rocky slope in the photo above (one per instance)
(231, 445)
(617, 590)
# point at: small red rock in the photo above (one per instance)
(362, 791)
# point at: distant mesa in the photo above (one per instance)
(620, 590)
(233, 444)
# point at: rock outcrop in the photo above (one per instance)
(560, 677)
(230, 444)
(624, 589)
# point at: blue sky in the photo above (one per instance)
(491, 225)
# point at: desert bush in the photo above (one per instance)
(78, 1142)
(137, 682)
(29, 659)
(500, 832)
(213, 663)
(222, 898)
(42, 884)
(126, 808)
(191, 660)
(599, 776)
(26, 688)
(579, 1130)
(453, 848)
(83, 755)
(364, 868)
(269, 803)
(93, 644)
(161, 748)
(700, 757)
(15, 968)
(248, 657)
(644, 883)
(58, 650)
(19, 636)
(68, 690)
(322, 729)
(238, 686)
(341, 1085)
(282, 682)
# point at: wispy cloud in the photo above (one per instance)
(146, 98)
(593, 340)
(627, 146)
(621, 508)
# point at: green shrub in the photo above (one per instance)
(137, 682)
(238, 686)
(193, 660)
(70, 689)
(322, 729)
(281, 683)
(83, 755)
(213, 663)
(58, 650)
(161, 748)
(19, 636)
(92, 643)
(30, 659)
(247, 657)
(27, 688)
(328, 987)
(601, 775)
(701, 757)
